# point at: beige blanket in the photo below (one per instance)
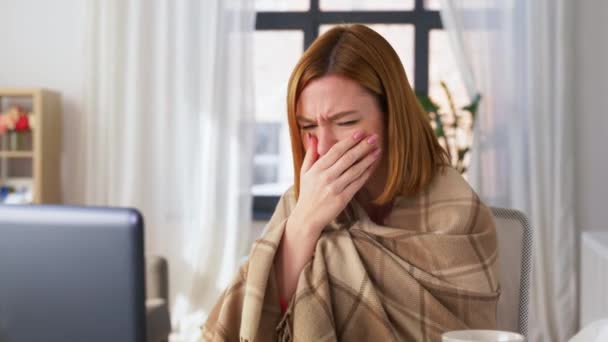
(431, 268)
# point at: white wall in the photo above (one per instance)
(591, 58)
(41, 45)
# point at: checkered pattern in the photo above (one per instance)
(430, 268)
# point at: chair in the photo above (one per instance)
(158, 322)
(514, 237)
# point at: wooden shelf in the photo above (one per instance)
(16, 154)
(20, 92)
(39, 162)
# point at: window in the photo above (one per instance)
(284, 29)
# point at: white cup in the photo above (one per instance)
(481, 336)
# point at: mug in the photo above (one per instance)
(481, 336)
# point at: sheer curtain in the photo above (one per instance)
(168, 129)
(517, 54)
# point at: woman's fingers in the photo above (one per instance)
(355, 171)
(356, 184)
(321, 198)
(336, 151)
(352, 156)
(311, 154)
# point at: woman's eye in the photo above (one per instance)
(307, 127)
(348, 123)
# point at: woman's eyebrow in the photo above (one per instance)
(333, 117)
(340, 115)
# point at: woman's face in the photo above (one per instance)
(333, 107)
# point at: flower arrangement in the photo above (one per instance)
(457, 135)
(16, 119)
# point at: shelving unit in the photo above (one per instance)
(35, 163)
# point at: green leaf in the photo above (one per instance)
(473, 106)
(427, 103)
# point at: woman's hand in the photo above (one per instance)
(328, 183)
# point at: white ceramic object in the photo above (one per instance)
(594, 332)
(481, 336)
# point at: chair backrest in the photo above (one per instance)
(515, 260)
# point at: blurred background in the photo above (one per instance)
(178, 108)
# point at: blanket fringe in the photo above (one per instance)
(284, 329)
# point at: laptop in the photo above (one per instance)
(71, 274)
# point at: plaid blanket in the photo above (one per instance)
(431, 268)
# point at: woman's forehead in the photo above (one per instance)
(330, 95)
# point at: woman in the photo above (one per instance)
(378, 239)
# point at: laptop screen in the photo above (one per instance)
(71, 274)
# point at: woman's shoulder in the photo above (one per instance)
(447, 185)
(447, 204)
(450, 184)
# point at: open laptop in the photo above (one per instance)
(71, 274)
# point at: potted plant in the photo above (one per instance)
(449, 134)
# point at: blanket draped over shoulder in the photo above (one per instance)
(430, 268)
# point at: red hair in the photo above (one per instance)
(357, 52)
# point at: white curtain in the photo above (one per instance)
(518, 55)
(168, 129)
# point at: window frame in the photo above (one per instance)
(423, 20)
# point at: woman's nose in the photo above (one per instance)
(325, 140)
